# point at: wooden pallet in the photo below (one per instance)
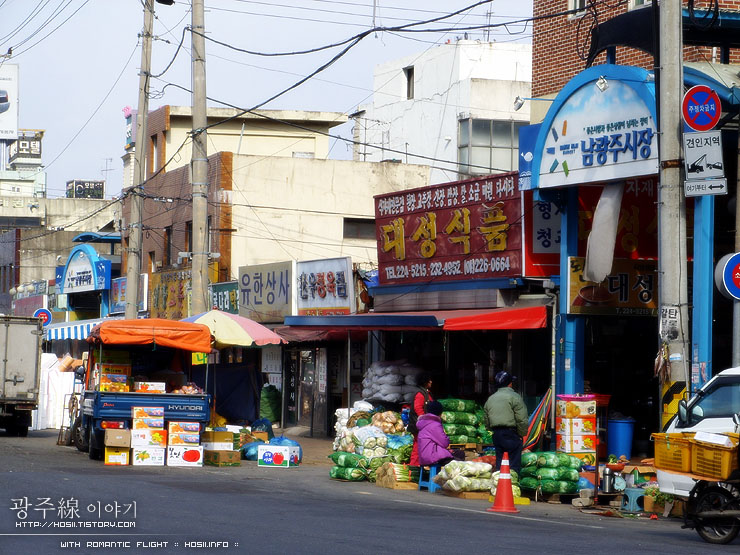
(399, 485)
(485, 495)
(535, 495)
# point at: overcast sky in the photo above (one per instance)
(79, 61)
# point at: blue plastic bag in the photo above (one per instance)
(287, 442)
(263, 425)
(584, 483)
(250, 450)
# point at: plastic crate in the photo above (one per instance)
(673, 452)
(714, 461)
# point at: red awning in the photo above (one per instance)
(501, 319)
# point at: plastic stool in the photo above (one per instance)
(431, 472)
(630, 501)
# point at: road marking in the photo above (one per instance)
(559, 523)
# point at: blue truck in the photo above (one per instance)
(149, 346)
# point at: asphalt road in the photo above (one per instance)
(300, 510)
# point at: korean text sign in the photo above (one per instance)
(325, 287)
(463, 230)
(266, 291)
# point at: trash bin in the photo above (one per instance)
(619, 437)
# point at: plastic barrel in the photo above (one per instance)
(619, 437)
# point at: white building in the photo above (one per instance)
(451, 107)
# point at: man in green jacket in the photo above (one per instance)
(507, 419)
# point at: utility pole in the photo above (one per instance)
(133, 254)
(199, 163)
(672, 274)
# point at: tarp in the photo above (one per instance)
(501, 319)
(147, 331)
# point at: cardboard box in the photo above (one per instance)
(222, 458)
(148, 424)
(575, 426)
(117, 438)
(244, 438)
(176, 427)
(116, 456)
(218, 446)
(217, 437)
(147, 456)
(575, 409)
(183, 438)
(277, 456)
(184, 455)
(109, 368)
(150, 387)
(149, 438)
(262, 436)
(147, 412)
(567, 443)
(114, 387)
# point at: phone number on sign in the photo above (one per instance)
(480, 265)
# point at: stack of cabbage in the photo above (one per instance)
(464, 421)
(348, 466)
(465, 476)
(516, 492)
(392, 382)
(550, 472)
(343, 416)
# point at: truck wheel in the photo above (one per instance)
(21, 430)
(96, 453)
(718, 530)
(79, 437)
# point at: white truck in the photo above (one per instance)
(20, 371)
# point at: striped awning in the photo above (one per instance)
(79, 329)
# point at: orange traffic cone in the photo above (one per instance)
(504, 500)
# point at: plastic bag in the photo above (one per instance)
(270, 399)
(529, 483)
(263, 425)
(287, 442)
(250, 450)
(342, 473)
(548, 459)
(460, 429)
(529, 459)
(568, 474)
(459, 405)
(348, 460)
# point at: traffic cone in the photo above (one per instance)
(504, 500)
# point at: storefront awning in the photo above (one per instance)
(501, 319)
(78, 329)
(486, 318)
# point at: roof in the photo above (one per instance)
(95, 237)
(153, 331)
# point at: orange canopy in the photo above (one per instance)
(146, 331)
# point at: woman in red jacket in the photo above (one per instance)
(424, 383)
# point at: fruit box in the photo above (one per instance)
(183, 438)
(113, 378)
(147, 412)
(116, 456)
(184, 455)
(117, 438)
(277, 456)
(218, 445)
(114, 387)
(148, 438)
(567, 443)
(575, 409)
(575, 426)
(217, 437)
(147, 456)
(177, 427)
(222, 458)
(262, 436)
(150, 387)
(148, 424)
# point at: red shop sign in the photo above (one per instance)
(462, 230)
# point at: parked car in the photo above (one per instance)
(4, 101)
(711, 409)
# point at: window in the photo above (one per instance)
(487, 146)
(579, 5)
(154, 159)
(634, 4)
(167, 257)
(359, 228)
(153, 261)
(189, 236)
(722, 401)
(409, 73)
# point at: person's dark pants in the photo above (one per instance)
(506, 440)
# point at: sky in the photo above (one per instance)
(79, 62)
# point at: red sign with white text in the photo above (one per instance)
(462, 230)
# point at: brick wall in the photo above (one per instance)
(560, 44)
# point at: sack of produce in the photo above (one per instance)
(529, 472)
(567, 487)
(515, 490)
(575, 463)
(458, 405)
(547, 473)
(349, 460)
(568, 474)
(513, 473)
(550, 486)
(270, 399)
(548, 459)
(461, 439)
(342, 473)
(529, 483)
(529, 459)
(465, 468)
(467, 483)
(389, 422)
(460, 429)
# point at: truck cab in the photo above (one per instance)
(711, 409)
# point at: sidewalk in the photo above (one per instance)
(316, 450)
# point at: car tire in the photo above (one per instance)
(79, 436)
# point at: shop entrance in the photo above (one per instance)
(619, 357)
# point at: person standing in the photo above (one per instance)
(421, 398)
(507, 418)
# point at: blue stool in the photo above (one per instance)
(430, 472)
(631, 500)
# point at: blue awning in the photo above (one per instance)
(79, 329)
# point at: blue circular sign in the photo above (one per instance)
(44, 314)
(701, 108)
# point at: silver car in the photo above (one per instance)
(4, 101)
